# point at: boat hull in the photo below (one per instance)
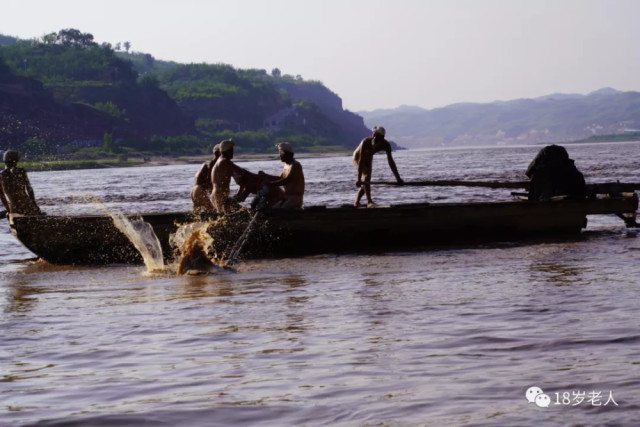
(316, 230)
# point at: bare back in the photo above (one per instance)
(295, 183)
(17, 194)
(203, 176)
(221, 179)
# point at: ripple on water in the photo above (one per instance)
(443, 337)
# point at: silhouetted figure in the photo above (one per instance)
(291, 196)
(15, 189)
(363, 160)
(553, 173)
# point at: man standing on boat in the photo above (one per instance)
(15, 189)
(221, 174)
(363, 160)
(202, 186)
(291, 179)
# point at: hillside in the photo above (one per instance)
(114, 102)
(30, 114)
(551, 118)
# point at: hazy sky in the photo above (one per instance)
(374, 53)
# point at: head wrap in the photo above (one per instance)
(10, 155)
(285, 147)
(226, 145)
(380, 130)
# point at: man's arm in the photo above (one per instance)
(296, 169)
(248, 183)
(392, 165)
(32, 196)
(238, 173)
(5, 202)
(268, 177)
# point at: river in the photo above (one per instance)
(447, 337)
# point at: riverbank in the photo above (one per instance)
(56, 165)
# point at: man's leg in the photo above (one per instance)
(367, 189)
(359, 196)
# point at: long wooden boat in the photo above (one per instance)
(317, 230)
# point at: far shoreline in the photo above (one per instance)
(137, 161)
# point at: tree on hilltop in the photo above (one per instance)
(70, 37)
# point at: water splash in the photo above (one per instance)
(197, 252)
(141, 234)
(194, 245)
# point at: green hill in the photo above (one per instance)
(68, 95)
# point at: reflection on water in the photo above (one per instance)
(446, 337)
(295, 322)
(203, 287)
(21, 296)
(560, 274)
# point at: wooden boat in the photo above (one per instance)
(317, 230)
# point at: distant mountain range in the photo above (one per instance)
(66, 94)
(551, 118)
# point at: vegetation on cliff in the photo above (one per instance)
(67, 96)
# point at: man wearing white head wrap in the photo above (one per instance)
(16, 192)
(226, 145)
(363, 160)
(291, 178)
(221, 175)
(202, 186)
(284, 147)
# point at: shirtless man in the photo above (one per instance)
(202, 186)
(363, 160)
(291, 178)
(15, 189)
(221, 175)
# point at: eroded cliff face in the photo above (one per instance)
(28, 110)
(302, 107)
(351, 124)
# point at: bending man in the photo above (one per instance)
(363, 160)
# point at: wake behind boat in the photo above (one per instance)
(94, 239)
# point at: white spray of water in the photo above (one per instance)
(142, 236)
(139, 232)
